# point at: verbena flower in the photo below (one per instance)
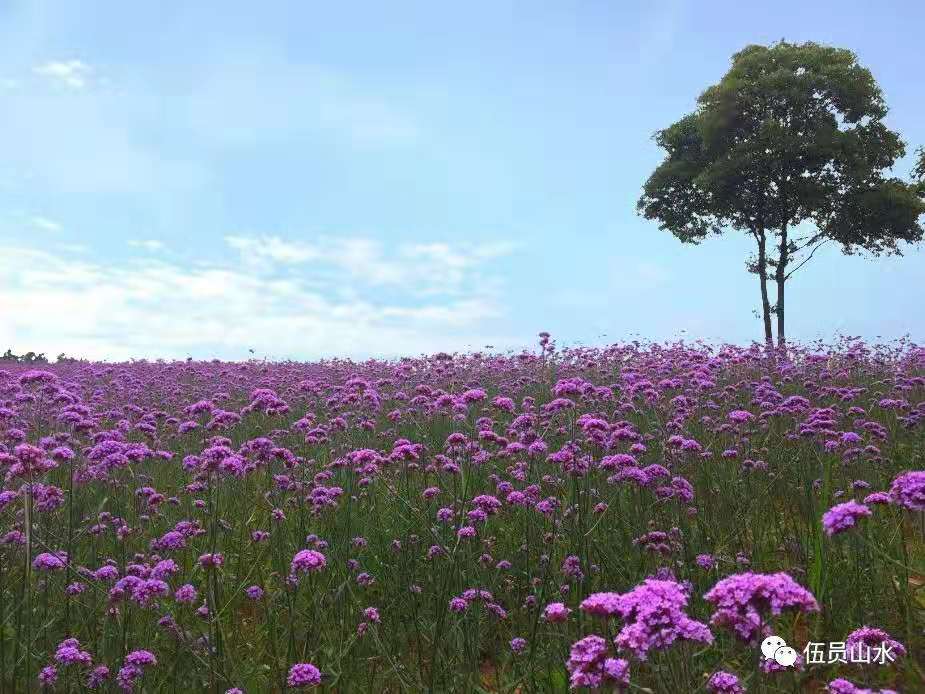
(69, 653)
(303, 675)
(908, 490)
(864, 641)
(556, 612)
(141, 659)
(48, 676)
(844, 516)
(48, 561)
(743, 600)
(654, 616)
(843, 686)
(724, 683)
(307, 561)
(97, 676)
(186, 593)
(590, 665)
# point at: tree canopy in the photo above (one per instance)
(791, 136)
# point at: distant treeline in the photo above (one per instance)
(31, 357)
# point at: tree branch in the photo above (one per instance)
(812, 239)
(807, 258)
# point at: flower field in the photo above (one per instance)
(637, 517)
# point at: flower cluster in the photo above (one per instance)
(743, 600)
(463, 521)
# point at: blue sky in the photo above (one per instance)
(354, 179)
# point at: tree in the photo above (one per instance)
(27, 358)
(919, 170)
(790, 148)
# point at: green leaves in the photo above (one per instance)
(791, 133)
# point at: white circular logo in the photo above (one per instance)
(770, 645)
(785, 656)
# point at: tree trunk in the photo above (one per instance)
(763, 279)
(781, 279)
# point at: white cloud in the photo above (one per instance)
(422, 268)
(71, 73)
(151, 245)
(272, 248)
(45, 224)
(146, 307)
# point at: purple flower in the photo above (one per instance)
(6, 497)
(841, 517)
(908, 490)
(600, 604)
(307, 561)
(877, 498)
(141, 659)
(186, 593)
(591, 667)
(107, 573)
(171, 540)
(69, 653)
(556, 612)
(164, 569)
(655, 617)
(585, 657)
(97, 676)
(303, 675)
(518, 645)
(46, 561)
(724, 683)
(48, 676)
(864, 641)
(741, 600)
(37, 376)
(144, 591)
(616, 672)
(126, 677)
(211, 560)
(706, 561)
(740, 416)
(571, 567)
(770, 666)
(496, 610)
(75, 588)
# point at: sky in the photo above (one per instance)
(302, 180)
